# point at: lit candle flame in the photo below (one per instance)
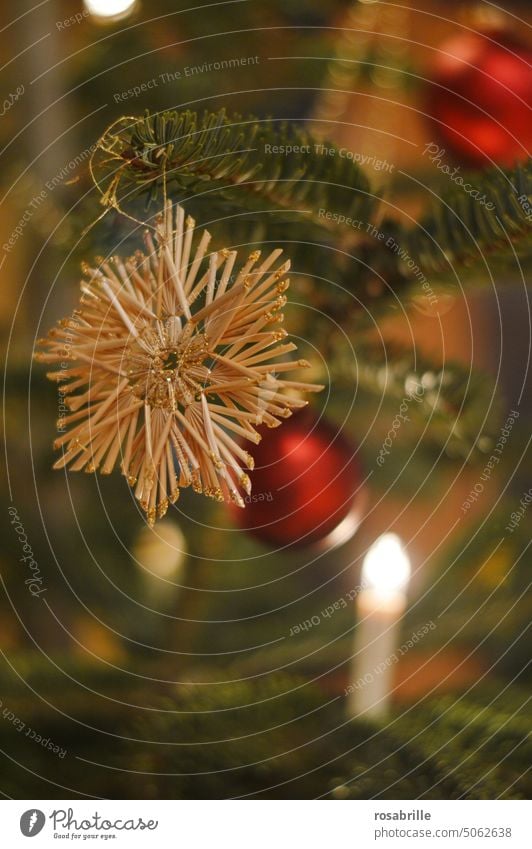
(110, 10)
(386, 567)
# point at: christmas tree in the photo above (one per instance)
(352, 182)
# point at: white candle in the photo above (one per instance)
(380, 605)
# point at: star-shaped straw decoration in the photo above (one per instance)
(168, 391)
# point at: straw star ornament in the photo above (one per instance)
(170, 364)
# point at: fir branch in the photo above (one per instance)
(463, 231)
(231, 162)
(482, 746)
(452, 398)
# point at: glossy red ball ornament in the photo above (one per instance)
(481, 98)
(306, 485)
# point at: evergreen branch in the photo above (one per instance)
(244, 164)
(463, 230)
(482, 746)
(452, 398)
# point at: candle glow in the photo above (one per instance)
(386, 567)
(110, 10)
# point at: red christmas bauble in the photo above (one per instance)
(481, 101)
(306, 485)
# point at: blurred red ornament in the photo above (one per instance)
(306, 485)
(482, 98)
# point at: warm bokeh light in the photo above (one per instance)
(161, 551)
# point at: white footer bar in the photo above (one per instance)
(275, 824)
